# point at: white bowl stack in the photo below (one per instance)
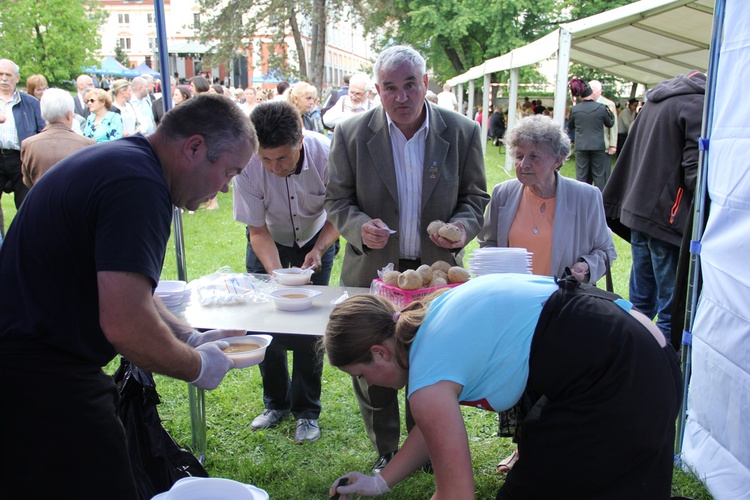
(172, 293)
(491, 260)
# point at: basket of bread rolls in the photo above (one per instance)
(402, 288)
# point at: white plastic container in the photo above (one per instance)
(293, 276)
(211, 488)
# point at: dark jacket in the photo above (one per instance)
(588, 119)
(652, 184)
(497, 125)
(28, 117)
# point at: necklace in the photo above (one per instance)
(541, 210)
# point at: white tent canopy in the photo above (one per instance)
(645, 42)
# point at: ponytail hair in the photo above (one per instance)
(365, 320)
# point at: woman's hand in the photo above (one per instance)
(369, 486)
(580, 271)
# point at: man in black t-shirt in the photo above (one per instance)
(77, 273)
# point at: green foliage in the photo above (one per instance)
(580, 9)
(455, 35)
(121, 56)
(56, 38)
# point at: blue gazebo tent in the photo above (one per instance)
(144, 69)
(111, 66)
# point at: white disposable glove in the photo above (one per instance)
(197, 338)
(214, 365)
(361, 484)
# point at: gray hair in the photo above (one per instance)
(538, 130)
(399, 55)
(15, 66)
(56, 104)
(216, 118)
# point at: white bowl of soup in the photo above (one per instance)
(293, 276)
(294, 299)
(247, 350)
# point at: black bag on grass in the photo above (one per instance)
(157, 460)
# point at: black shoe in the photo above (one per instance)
(382, 462)
(307, 430)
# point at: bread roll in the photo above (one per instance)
(410, 280)
(391, 278)
(438, 282)
(457, 275)
(437, 273)
(425, 272)
(450, 232)
(434, 227)
(440, 265)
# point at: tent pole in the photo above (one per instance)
(470, 108)
(561, 82)
(700, 215)
(485, 111)
(510, 120)
(461, 98)
(196, 396)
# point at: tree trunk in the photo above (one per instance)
(453, 56)
(301, 57)
(317, 68)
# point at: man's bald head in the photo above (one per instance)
(84, 82)
(139, 86)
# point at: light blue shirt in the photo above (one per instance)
(479, 335)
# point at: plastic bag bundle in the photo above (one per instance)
(225, 288)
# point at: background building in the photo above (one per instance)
(131, 25)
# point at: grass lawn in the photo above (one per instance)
(270, 459)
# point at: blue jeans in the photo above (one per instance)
(652, 278)
(301, 392)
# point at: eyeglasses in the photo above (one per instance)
(89, 101)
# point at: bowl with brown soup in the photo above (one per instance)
(246, 350)
(294, 299)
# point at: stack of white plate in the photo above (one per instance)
(172, 293)
(490, 260)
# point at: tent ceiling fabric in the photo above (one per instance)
(645, 42)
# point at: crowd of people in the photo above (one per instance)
(588, 377)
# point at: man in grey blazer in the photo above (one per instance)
(393, 170)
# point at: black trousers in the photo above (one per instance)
(604, 398)
(299, 393)
(11, 179)
(59, 429)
